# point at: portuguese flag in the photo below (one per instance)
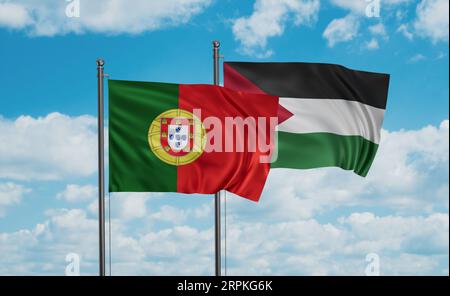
(172, 138)
(329, 115)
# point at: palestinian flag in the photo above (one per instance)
(329, 115)
(172, 138)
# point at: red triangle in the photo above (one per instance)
(234, 80)
(283, 114)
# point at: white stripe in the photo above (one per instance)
(340, 117)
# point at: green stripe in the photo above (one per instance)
(314, 150)
(132, 165)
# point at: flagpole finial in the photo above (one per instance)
(216, 43)
(100, 62)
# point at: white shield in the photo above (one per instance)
(178, 136)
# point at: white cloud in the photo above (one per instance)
(48, 18)
(170, 214)
(203, 211)
(378, 30)
(65, 231)
(269, 19)
(441, 55)
(341, 30)
(46, 148)
(397, 2)
(405, 221)
(312, 248)
(130, 206)
(406, 245)
(432, 20)
(43, 248)
(409, 176)
(372, 44)
(382, 233)
(10, 194)
(358, 7)
(177, 216)
(404, 29)
(78, 193)
(346, 29)
(13, 16)
(417, 58)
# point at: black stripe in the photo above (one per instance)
(316, 81)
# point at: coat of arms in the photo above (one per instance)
(177, 137)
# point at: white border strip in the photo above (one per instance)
(342, 117)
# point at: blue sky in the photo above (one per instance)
(48, 160)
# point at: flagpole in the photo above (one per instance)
(216, 45)
(101, 167)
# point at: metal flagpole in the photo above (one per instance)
(216, 45)
(101, 167)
